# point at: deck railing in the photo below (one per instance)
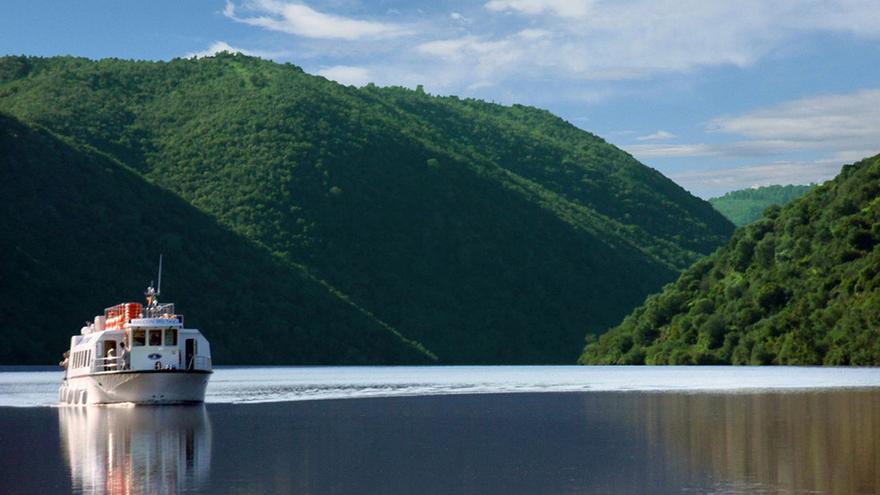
(107, 364)
(116, 363)
(158, 310)
(199, 363)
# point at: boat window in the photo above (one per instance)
(155, 337)
(139, 338)
(171, 336)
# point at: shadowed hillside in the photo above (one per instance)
(81, 232)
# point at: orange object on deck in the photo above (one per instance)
(117, 316)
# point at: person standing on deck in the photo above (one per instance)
(64, 362)
(125, 356)
(151, 294)
(110, 363)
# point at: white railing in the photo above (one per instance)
(158, 311)
(199, 363)
(107, 364)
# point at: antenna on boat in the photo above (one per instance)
(159, 288)
(151, 293)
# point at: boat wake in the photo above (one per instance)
(248, 385)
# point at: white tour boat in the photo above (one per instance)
(137, 354)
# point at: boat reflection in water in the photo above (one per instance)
(136, 449)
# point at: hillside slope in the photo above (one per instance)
(747, 205)
(491, 234)
(800, 286)
(81, 232)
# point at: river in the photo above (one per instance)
(447, 430)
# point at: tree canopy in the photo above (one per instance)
(799, 286)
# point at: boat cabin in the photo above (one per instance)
(129, 337)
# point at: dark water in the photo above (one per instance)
(554, 443)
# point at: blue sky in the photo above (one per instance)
(717, 95)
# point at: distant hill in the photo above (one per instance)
(489, 234)
(799, 286)
(747, 205)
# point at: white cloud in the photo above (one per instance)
(730, 150)
(482, 61)
(564, 8)
(657, 136)
(457, 16)
(448, 49)
(480, 85)
(610, 39)
(347, 74)
(856, 16)
(838, 124)
(533, 34)
(837, 128)
(820, 120)
(302, 20)
(221, 46)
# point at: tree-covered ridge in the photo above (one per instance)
(488, 233)
(747, 205)
(134, 108)
(81, 231)
(800, 286)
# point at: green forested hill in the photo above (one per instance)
(80, 232)
(490, 234)
(747, 205)
(800, 286)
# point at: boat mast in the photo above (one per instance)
(153, 294)
(159, 288)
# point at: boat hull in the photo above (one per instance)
(137, 387)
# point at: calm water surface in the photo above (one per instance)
(458, 430)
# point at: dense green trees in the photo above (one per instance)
(747, 205)
(799, 286)
(488, 233)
